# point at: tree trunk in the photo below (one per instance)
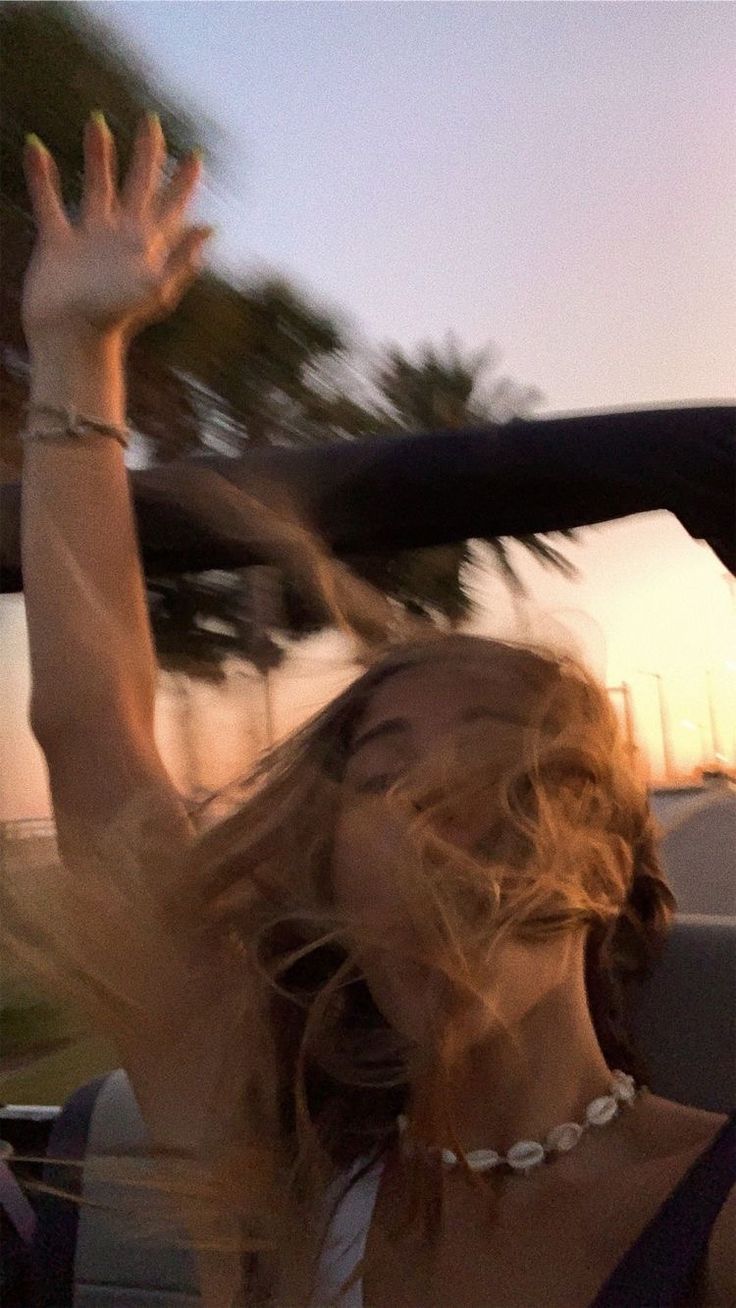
(187, 734)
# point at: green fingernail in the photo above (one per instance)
(198, 152)
(153, 118)
(98, 117)
(35, 142)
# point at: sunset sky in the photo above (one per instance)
(554, 179)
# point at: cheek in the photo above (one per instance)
(364, 881)
(364, 867)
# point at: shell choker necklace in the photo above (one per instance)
(526, 1155)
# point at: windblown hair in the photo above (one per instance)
(313, 1076)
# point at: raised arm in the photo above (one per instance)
(88, 288)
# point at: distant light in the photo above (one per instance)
(689, 726)
(723, 757)
(730, 665)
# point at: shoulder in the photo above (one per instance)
(720, 1275)
(668, 1132)
(687, 1132)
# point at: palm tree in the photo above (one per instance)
(263, 615)
(448, 388)
(246, 352)
(237, 364)
(201, 624)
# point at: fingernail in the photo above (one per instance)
(35, 142)
(98, 118)
(198, 152)
(153, 118)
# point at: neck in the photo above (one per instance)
(501, 1092)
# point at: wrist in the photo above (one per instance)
(82, 371)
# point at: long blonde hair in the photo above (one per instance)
(320, 1076)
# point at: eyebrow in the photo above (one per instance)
(392, 726)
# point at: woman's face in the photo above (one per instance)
(413, 714)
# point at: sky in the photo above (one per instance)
(553, 180)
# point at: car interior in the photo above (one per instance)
(683, 1017)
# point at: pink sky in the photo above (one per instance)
(557, 178)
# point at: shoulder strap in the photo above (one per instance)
(662, 1261)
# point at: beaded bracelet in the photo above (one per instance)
(72, 424)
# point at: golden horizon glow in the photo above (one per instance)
(669, 621)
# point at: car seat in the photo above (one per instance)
(685, 1020)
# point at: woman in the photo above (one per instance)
(400, 960)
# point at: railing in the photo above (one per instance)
(30, 840)
(27, 843)
(27, 829)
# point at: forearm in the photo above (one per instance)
(89, 633)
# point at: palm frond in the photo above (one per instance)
(547, 553)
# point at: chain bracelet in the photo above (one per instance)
(72, 425)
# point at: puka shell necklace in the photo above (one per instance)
(526, 1155)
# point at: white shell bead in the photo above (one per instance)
(602, 1110)
(525, 1154)
(564, 1137)
(623, 1086)
(482, 1160)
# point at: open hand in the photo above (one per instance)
(129, 258)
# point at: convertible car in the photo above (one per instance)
(398, 493)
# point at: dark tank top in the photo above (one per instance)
(664, 1266)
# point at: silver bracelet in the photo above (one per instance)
(72, 425)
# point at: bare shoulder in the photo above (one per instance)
(670, 1130)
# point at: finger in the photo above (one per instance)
(99, 185)
(178, 193)
(184, 266)
(144, 174)
(186, 256)
(44, 189)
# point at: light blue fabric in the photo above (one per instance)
(346, 1238)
